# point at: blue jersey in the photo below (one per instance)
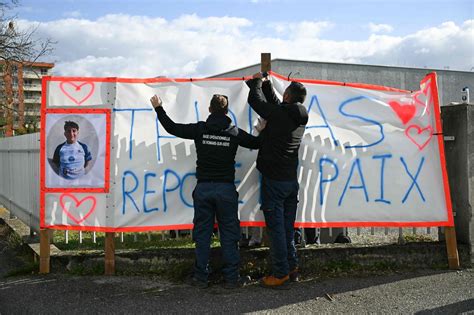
(71, 159)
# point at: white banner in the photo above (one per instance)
(371, 156)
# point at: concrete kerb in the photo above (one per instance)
(332, 259)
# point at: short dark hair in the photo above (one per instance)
(70, 124)
(297, 92)
(219, 104)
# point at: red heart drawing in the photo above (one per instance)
(76, 92)
(77, 205)
(404, 111)
(422, 136)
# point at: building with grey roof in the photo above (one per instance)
(450, 82)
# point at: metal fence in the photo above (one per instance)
(20, 177)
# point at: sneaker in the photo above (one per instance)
(254, 243)
(244, 242)
(295, 275)
(275, 283)
(198, 283)
(241, 282)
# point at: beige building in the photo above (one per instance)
(20, 91)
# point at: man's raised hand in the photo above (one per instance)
(156, 101)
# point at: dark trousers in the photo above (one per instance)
(279, 205)
(216, 200)
(311, 235)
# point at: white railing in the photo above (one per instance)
(19, 177)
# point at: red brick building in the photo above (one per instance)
(20, 95)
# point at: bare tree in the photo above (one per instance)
(18, 47)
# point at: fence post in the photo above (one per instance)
(44, 251)
(109, 253)
(452, 247)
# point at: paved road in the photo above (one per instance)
(423, 292)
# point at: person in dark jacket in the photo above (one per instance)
(277, 161)
(215, 195)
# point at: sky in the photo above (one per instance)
(198, 38)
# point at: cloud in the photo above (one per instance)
(72, 14)
(194, 46)
(380, 28)
(304, 29)
(446, 45)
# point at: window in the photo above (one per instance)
(44, 71)
(29, 95)
(28, 82)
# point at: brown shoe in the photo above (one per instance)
(275, 283)
(295, 275)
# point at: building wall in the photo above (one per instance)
(25, 87)
(450, 82)
(32, 76)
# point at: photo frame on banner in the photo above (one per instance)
(76, 150)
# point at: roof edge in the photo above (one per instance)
(342, 63)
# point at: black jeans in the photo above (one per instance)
(279, 205)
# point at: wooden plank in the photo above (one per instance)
(266, 61)
(452, 247)
(109, 253)
(44, 251)
(36, 248)
(266, 65)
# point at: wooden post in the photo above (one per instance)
(266, 62)
(44, 251)
(451, 247)
(109, 253)
(266, 65)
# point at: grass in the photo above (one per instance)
(29, 268)
(12, 246)
(14, 240)
(418, 238)
(152, 240)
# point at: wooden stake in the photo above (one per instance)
(44, 251)
(266, 61)
(266, 65)
(452, 247)
(109, 253)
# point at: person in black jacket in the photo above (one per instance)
(277, 161)
(215, 195)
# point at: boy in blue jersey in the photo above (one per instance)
(71, 157)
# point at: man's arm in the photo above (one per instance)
(249, 141)
(269, 93)
(257, 100)
(186, 131)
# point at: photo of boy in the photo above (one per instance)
(71, 157)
